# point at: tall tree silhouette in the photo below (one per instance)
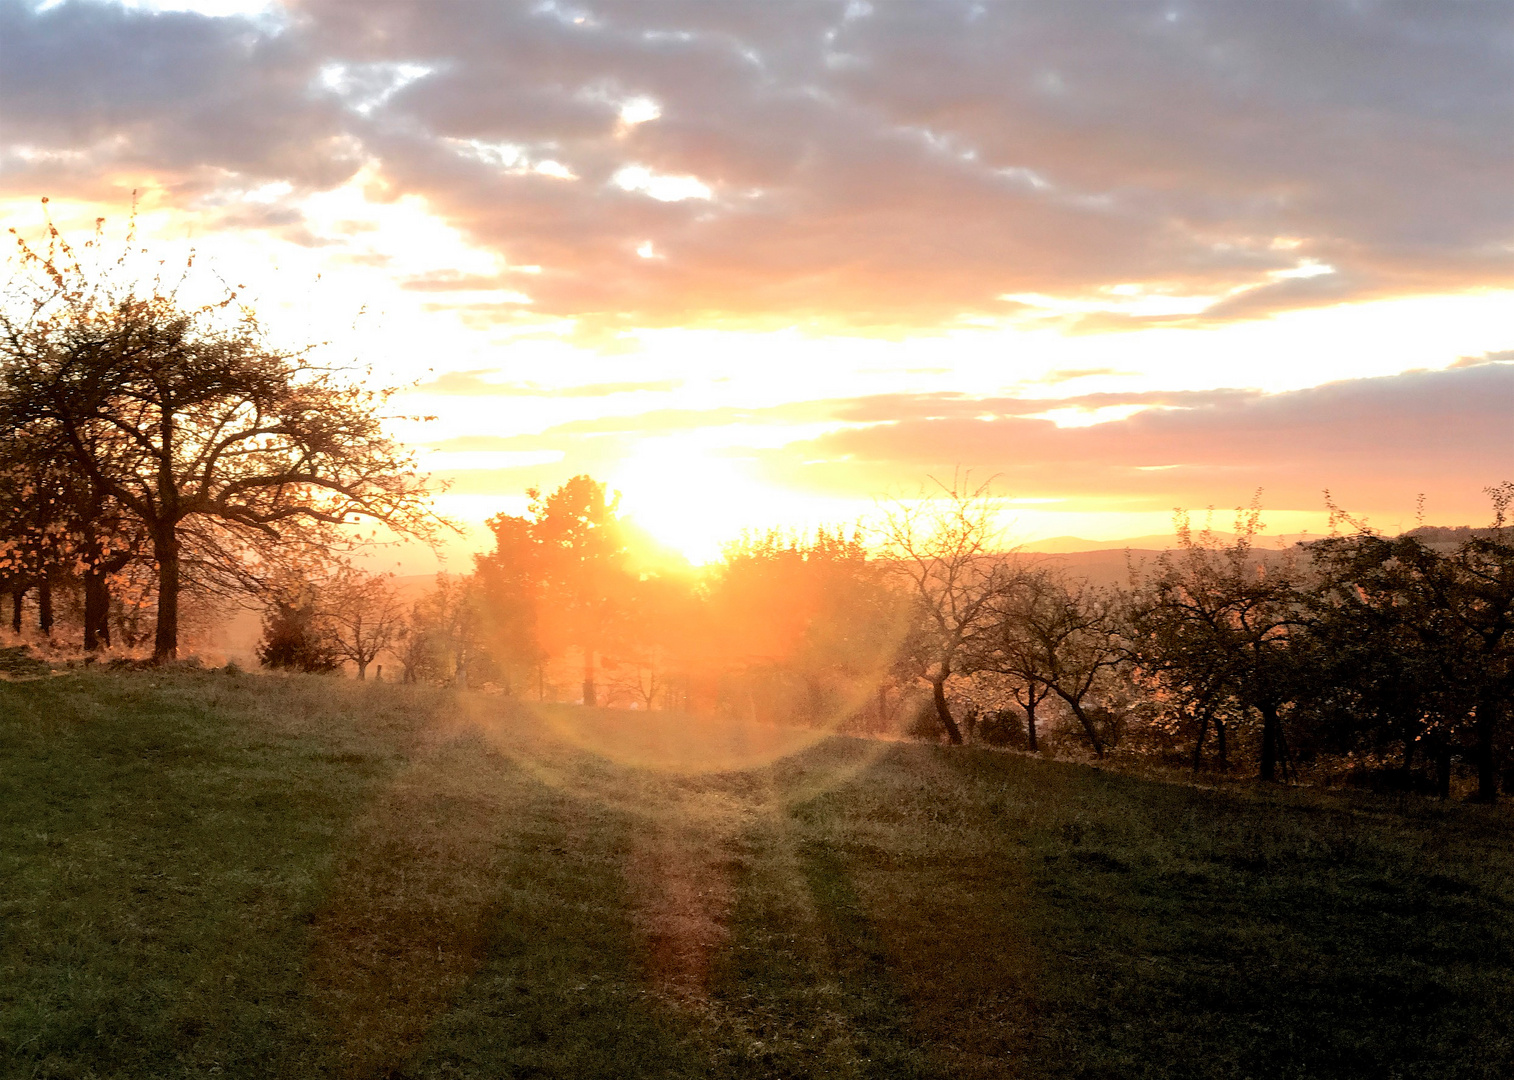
(566, 559)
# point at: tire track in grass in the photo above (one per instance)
(482, 925)
(565, 990)
(403, 927)
(930, 903)
(798, 992)
(681, 882)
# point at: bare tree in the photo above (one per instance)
(942, 547)
(362, 614)
(1053, 636)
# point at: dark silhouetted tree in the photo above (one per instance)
(295, 637)
(1217, 627)
(194, 424)
(1050, 635)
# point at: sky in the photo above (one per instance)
(768, 263)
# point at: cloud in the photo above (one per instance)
(892, 170)
(472, 383)
(186, 99)
(1376, 442)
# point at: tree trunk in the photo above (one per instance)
(1198, 744)
(1269, 742)
(362, 670)
(591, 698)
(165, 548)
(45, 604)
(943, 711)
(1221, 745)
(1030, 723)
(1486, 726)
(96, 609)
(18, 594)
(1443, 769)
(1088, 728)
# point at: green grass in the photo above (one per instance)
(214, 875)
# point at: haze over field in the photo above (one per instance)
(752, 263)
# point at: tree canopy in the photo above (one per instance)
(231, 453)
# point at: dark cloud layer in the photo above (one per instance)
(1376, 442)
(899, 164)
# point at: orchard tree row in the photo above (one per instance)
(1390, 655)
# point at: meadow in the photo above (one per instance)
(215, 874)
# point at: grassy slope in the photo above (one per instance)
(209, 875)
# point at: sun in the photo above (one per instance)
(694, 495)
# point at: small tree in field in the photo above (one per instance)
(445, 638)
(557, 578)
(294, 638)
(1219, 631)
(943, 549)
(193, 423)
(1050, 636)
(362, 615)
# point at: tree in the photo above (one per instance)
(36, 523)
(362, 615)
(806, 618)
(56, 526)
(561, 574)
(510, 584)
(1422, 639)
(1485, 613)
(1051, 636)
(415, 647)
(446, 636)
(1217, 627)
(294, 638)
(942, 549)
(191, 421)
(672, 639)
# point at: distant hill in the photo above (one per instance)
(1447, 534)
(1063, 545)
(1106, 567)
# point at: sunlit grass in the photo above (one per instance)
(204, 874)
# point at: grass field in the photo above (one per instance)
(204, 874)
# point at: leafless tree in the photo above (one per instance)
(362, 614)
(942, 547)
(1053, 636)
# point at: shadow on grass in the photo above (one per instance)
(203, 876)
(561, 991)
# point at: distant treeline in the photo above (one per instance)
(1387, 658)
(1390, 659)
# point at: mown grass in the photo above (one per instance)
(213, 875)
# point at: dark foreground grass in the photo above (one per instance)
(210, 875)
